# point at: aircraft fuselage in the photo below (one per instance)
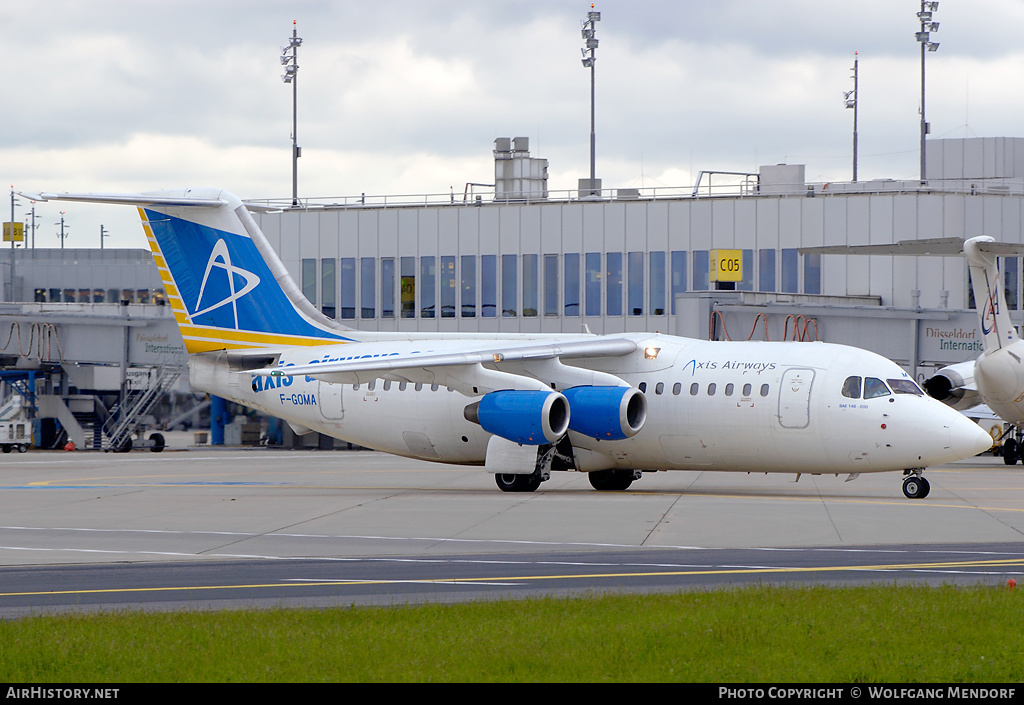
(750, 407)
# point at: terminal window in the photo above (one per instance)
(613, 284)
(571, 291)
(657, 283)
(530, 281)
(489, 286)
(509, 291)
(428, 295)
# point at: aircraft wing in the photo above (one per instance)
(941, 246)
(462, 365)
(981, 412)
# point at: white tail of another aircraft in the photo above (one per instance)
(989, 297)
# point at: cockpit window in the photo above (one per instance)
(851, 387)
(905, 386)
(874, 387)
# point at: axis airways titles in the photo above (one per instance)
(729, 365)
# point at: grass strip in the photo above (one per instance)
(877, 634)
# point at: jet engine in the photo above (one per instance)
(954, 386)
(524, 417)
(606, 413)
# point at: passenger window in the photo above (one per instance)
(387, 385)
(874, 387)
(728, 390)
(694, 388)
(659, 388)
(851, 387)
(642, 387)
(402, 386)
(711, 389)
(905, 386)
(746, 390)
(677, 388)
(764, 390)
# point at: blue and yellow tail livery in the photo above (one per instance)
(227, 289)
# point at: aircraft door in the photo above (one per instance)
(330, 401)
(795, 398)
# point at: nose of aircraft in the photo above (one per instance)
(966, 438)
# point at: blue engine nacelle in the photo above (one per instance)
(524, 417)
(607, 413)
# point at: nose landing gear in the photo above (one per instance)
(914, 484)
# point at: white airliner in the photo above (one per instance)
(520, 405)
(996, 377)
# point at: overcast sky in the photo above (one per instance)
(404, 97)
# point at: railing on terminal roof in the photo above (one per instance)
(745, 185)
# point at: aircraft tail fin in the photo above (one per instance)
(225, 284)
(987, 284)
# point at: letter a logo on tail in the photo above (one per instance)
(221, 259)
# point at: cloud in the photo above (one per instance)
(402, 96)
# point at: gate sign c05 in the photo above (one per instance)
(726, 265)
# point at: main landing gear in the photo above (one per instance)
(914, 484)
(1013, 447)
(518, 483)
(559, 457)
(603, 480)
(612, 480)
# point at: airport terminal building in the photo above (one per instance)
(513, 256)
(523, 259)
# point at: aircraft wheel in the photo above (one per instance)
(610, 480)
(1010, 452)
(22, 448)
(916, 487)
(158, 442)
(508, 482)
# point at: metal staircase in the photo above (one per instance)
(127, 416)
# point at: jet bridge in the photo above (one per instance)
(91, 374)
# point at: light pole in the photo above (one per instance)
(589, 58)
(291, 75)
(33, 226)
(13, 239)
(924, 37)
(851, 102)
(62, 234)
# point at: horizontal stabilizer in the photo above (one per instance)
(189, 198)
(938, 247)
(129, 199)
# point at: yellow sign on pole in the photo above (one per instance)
(19, 232)
(726, 265)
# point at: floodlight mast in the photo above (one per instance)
(11, 292)
(589, 58)
(291, 75)
(924, 37)
(852, 98)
